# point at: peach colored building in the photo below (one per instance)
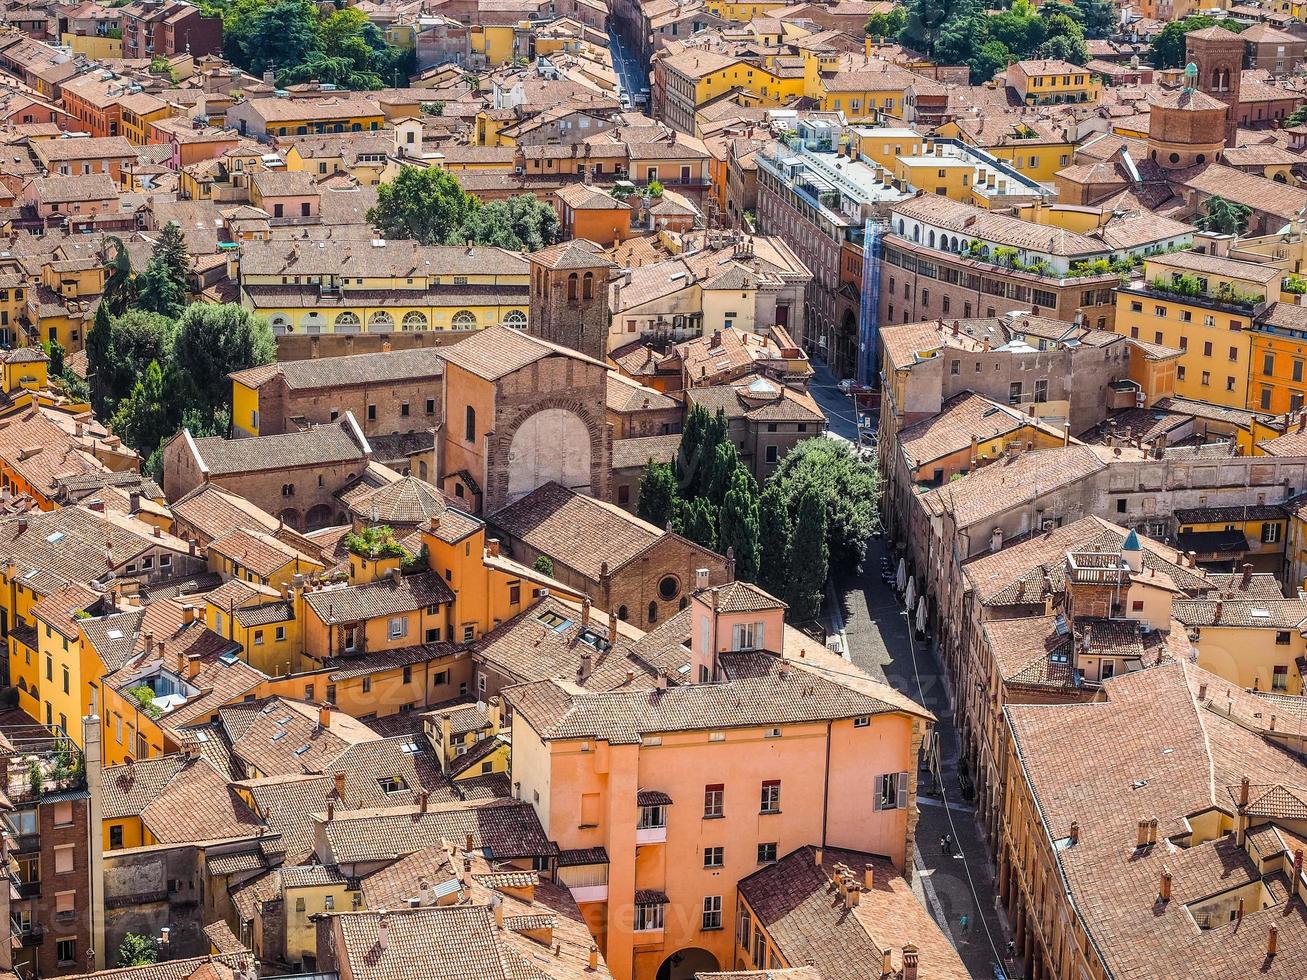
(663, 799)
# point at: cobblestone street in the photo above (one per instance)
(876, 630)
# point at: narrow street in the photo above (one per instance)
(879, 641)
(837, 407)
(876, 629)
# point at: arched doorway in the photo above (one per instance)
(685, 963)
(553, 444)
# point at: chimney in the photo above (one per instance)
(583, 672)
(331, 809)
(493, 545)
(1246, 579)
(853, 897)
(1164, 889)
(499, 913)
(324, 714)
(1238, 915)
(1202, 691)
(612, 626)
(423, 797)
(340, 786)
(468, 844)
(1216, 616)
(868, 876)
(886, 962)
(1243, 792)
(193, 663)
(911, 960)
(817, 856)
(1075, 832)
(1152, 831)
(1141, 834)
(585, 612)
(1272, 941)
(383, 932)
(594, 957)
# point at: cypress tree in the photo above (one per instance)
(775, 531)
(738, 528)
(721, 470)
(658, 494)
(698, 522)
(806, 575)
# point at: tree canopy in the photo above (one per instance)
(961, 32)
(301, 41)
(428, 206)
(1224, 217)
(1168, 47)
(849, 486)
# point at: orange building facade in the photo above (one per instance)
(683, 805)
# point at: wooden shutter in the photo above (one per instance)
(903, 791)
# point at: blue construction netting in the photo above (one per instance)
(869, 312)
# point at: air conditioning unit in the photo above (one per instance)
(1047, 525)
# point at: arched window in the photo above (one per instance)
(931, 238)
(653, 612)
(571, 286)
(916, 233)
(515, 318)
(280, 323)
(413, 320)
(346, 322)
(470, 425)
(381, 322)
(621, 612)
(588, 292)
(465, 320)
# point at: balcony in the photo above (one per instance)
(650, 835)
(584, 872)
(28, 889)
(652, 825)
(33, 935)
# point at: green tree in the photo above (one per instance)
(775, 529)
(424, 204)
(1098, 17)
(809, 559)
(120, 349)
(1298, 116)
(849, 486)
(137, 950)
(119, 286)
(992, 58)
(654, 188)
(697, 520)
(658, 493)
(158, 292)
(544, 565)
(522, 223)
(1222, 217)
(702, 434)
(925, 19)
(259, 35)
(887, 24)
(55, 351)
(171, 250)
(725, 461)
(212, 341)
(1168, 47)
(738, 524)
(144, 419)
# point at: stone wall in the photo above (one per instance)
(147, 888)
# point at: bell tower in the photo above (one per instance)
(569, 297)
(1218, 54)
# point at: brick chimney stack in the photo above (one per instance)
(1164, 887)
(911, 961)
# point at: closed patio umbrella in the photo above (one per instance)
(921, 615)
(910, 595)
(901, 579)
